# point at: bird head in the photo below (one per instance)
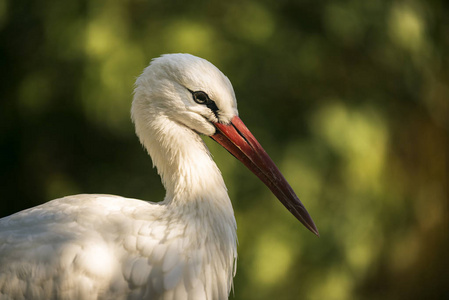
(187, 89)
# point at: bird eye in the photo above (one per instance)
(200, 97)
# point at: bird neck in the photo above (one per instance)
(188, 172)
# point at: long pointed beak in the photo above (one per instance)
(239, 141)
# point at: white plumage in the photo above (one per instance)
(110, 247)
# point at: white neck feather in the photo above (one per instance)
(189, 174)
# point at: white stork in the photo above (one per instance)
(110, 247)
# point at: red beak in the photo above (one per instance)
(239, 141)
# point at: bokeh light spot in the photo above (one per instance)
(272, 260)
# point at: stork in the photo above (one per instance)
(184, 247)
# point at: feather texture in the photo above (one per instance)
(84, 263)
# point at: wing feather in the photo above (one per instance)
(90, 247)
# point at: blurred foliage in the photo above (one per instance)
(350, 98)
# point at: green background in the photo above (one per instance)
(350, 98)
